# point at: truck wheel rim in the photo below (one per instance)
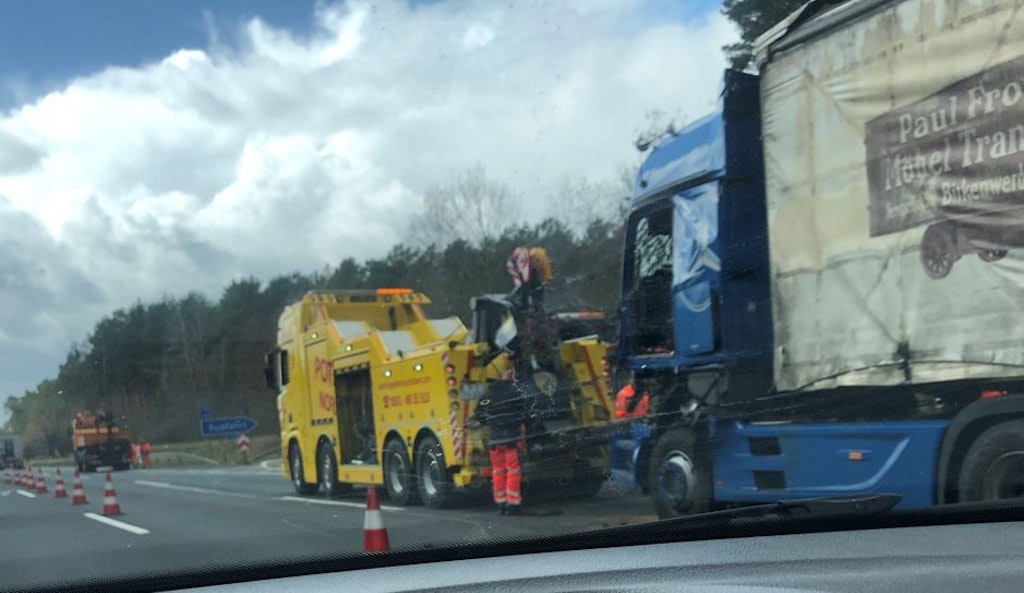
(431, 477)
(1005, 477)
(296, 470)
(395, 474)
(327, 473)
(678, 480)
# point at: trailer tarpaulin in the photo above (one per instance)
(894, 153)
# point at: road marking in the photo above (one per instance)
(169, 486)
(25, 494)
(338, 503)
(115, 523)
(271, 464)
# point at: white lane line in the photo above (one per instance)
(115, 523)
(25, 494)
(338, 503)
(168, 486)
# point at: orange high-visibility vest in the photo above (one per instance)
(622, 402)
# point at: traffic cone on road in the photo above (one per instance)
(110, 506)
(7, 478)
(41, 482)
(77, 493)
(59, 491)
(375, 536)
(30, 480)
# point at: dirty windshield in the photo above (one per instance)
(318, 279)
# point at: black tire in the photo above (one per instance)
(433, 481)
(991, 255)
(993, 468)
(302, 487)
(680, 482)
(327, 466)
(399, 479)
(939, 250)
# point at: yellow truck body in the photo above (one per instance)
(373, 392)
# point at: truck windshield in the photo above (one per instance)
(651, 281)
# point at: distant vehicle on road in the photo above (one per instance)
(11, 454)
(99, 441)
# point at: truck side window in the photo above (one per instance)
(283, 361)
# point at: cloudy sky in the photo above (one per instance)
(153, 148)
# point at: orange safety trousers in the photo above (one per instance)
(506, 474)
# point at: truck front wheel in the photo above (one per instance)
(993, 468)
(329, 473)
(680, 482)
(295, 467)
(434, 482)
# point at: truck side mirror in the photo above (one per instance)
(271, 361)
(268, 377)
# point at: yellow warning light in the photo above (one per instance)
(855, 456)
(386, 291)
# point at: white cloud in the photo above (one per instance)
(289, 151)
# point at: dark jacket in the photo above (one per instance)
(502, 410)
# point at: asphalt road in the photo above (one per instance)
(184, 519)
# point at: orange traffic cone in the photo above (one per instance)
(77, 493)
(59, 491)
(41, 482)
(30, 481)
(110, 506)
(375, 536)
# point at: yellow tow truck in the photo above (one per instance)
(373, 392)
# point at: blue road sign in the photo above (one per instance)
(219, 427)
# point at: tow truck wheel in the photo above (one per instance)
(993, 468)
(432, 478)
(329, 473)
(680, 484)
(938, 250)
(295, 467)
(398, 474)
